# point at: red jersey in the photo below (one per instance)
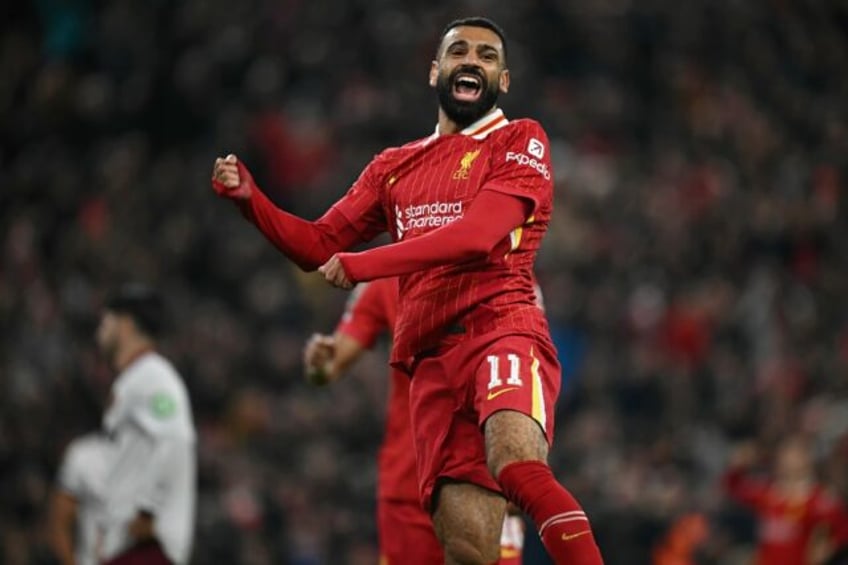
(371, 311)
(419, 187)
(784, 526)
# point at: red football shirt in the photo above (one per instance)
(370, 312)
(421, 186)
(784, 526)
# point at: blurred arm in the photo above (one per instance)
(61, 524)
(327, 358)
(141, 528)
(356, 217)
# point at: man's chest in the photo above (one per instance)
(434, 188)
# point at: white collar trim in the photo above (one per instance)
(482, 127)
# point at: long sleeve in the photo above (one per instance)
(308, 244)
(472, 237)
(354, 218)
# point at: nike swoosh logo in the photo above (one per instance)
(567, 537)
(500, 392)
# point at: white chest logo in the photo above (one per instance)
(399, 222)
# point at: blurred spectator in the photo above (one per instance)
(798, 521)
(682, 541)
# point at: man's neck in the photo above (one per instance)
(447, 126)
(127, 354)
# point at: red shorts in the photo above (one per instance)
(406, 534)
(144, 553)
(457, 388)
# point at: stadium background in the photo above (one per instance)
(695, 271)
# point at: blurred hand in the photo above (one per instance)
(334, 273)
(231, 179)
(318, 356)
(141, 528)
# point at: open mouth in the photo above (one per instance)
(467, 87)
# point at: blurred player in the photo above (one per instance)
(151, 484)
(799, 523)
(75, 525)
(467, 208)
(680, 544)
(402, 523)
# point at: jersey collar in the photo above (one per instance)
(482, 127)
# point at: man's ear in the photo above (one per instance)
(503, 81)
(434, 73)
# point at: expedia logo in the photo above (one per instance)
(433, 215)
(527, 161)
(536, 148)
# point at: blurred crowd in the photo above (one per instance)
(693, 273)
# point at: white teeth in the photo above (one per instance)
(468, 80)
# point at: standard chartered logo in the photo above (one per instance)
(432, 215)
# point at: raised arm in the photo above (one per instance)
(355, 218)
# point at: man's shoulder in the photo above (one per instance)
(400, 151)
(151, 370)
(522, 127)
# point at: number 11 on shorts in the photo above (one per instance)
(514, 378)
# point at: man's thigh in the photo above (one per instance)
(469, 520)
(403, 525)
(511, 437)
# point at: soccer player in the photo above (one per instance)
(467, 208)
(77, 502)
(402, 523)
(799, 522)
(151, 482)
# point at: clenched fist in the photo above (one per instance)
(318, 359)
(334, 273)
(231, 179)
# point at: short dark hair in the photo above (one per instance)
(476, 21)
(143, 304)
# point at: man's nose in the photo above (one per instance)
(471, 58)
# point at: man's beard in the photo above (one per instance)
(460, 112)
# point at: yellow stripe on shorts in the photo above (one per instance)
(538, 410)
